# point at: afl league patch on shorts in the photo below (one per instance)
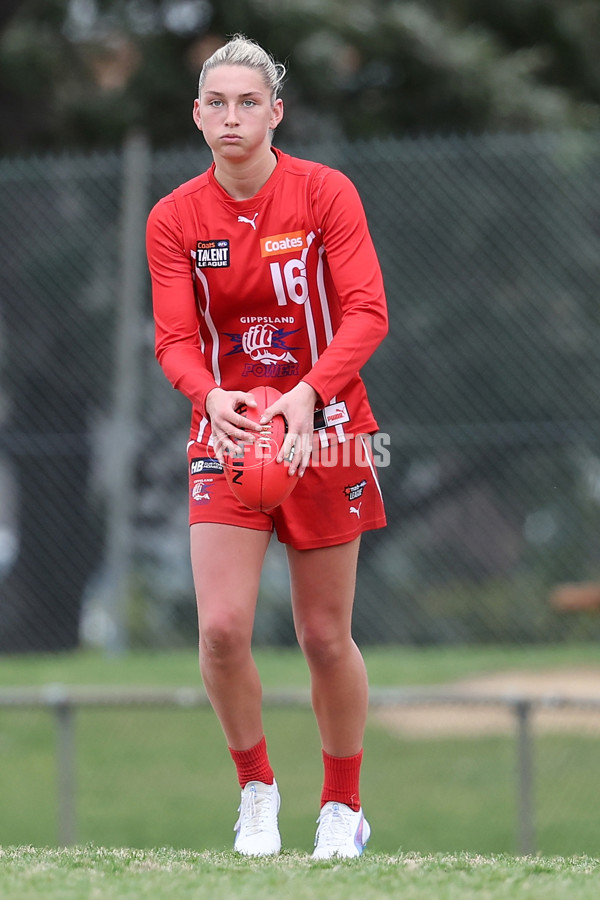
(338, 498)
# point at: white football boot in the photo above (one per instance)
(257, 831)
(342, 833)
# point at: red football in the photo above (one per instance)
(253, 474)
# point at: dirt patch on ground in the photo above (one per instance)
(481, 715)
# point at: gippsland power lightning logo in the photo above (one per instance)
(268, 350)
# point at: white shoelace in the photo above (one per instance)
(255, 813)
(334, 829)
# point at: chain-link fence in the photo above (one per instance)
(487, 387)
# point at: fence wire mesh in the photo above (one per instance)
(486, 386)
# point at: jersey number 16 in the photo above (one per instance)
(290, 282)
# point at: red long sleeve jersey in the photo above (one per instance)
(283, 287)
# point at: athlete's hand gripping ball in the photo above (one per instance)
(297, 406)
(254, 468)
(227, 411)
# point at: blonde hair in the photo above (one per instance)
(242, 51)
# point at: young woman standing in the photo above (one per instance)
(263, 271)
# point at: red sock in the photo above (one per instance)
(342, 775)
(253, 764)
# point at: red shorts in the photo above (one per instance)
(337, 498)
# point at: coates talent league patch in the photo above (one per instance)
(212, 254)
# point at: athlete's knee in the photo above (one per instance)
(222, 641)
(323, 646)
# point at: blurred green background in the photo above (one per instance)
(148, 777)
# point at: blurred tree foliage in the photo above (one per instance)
(80, 73)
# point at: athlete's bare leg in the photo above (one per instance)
(323, 583)
(226, 564)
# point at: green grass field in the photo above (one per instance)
(91, 872)
(388, 665)
(146, 777)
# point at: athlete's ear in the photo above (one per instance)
(276, 113)
(197, 115)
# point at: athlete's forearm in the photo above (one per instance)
(355, 341)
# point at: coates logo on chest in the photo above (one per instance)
(283, 243)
